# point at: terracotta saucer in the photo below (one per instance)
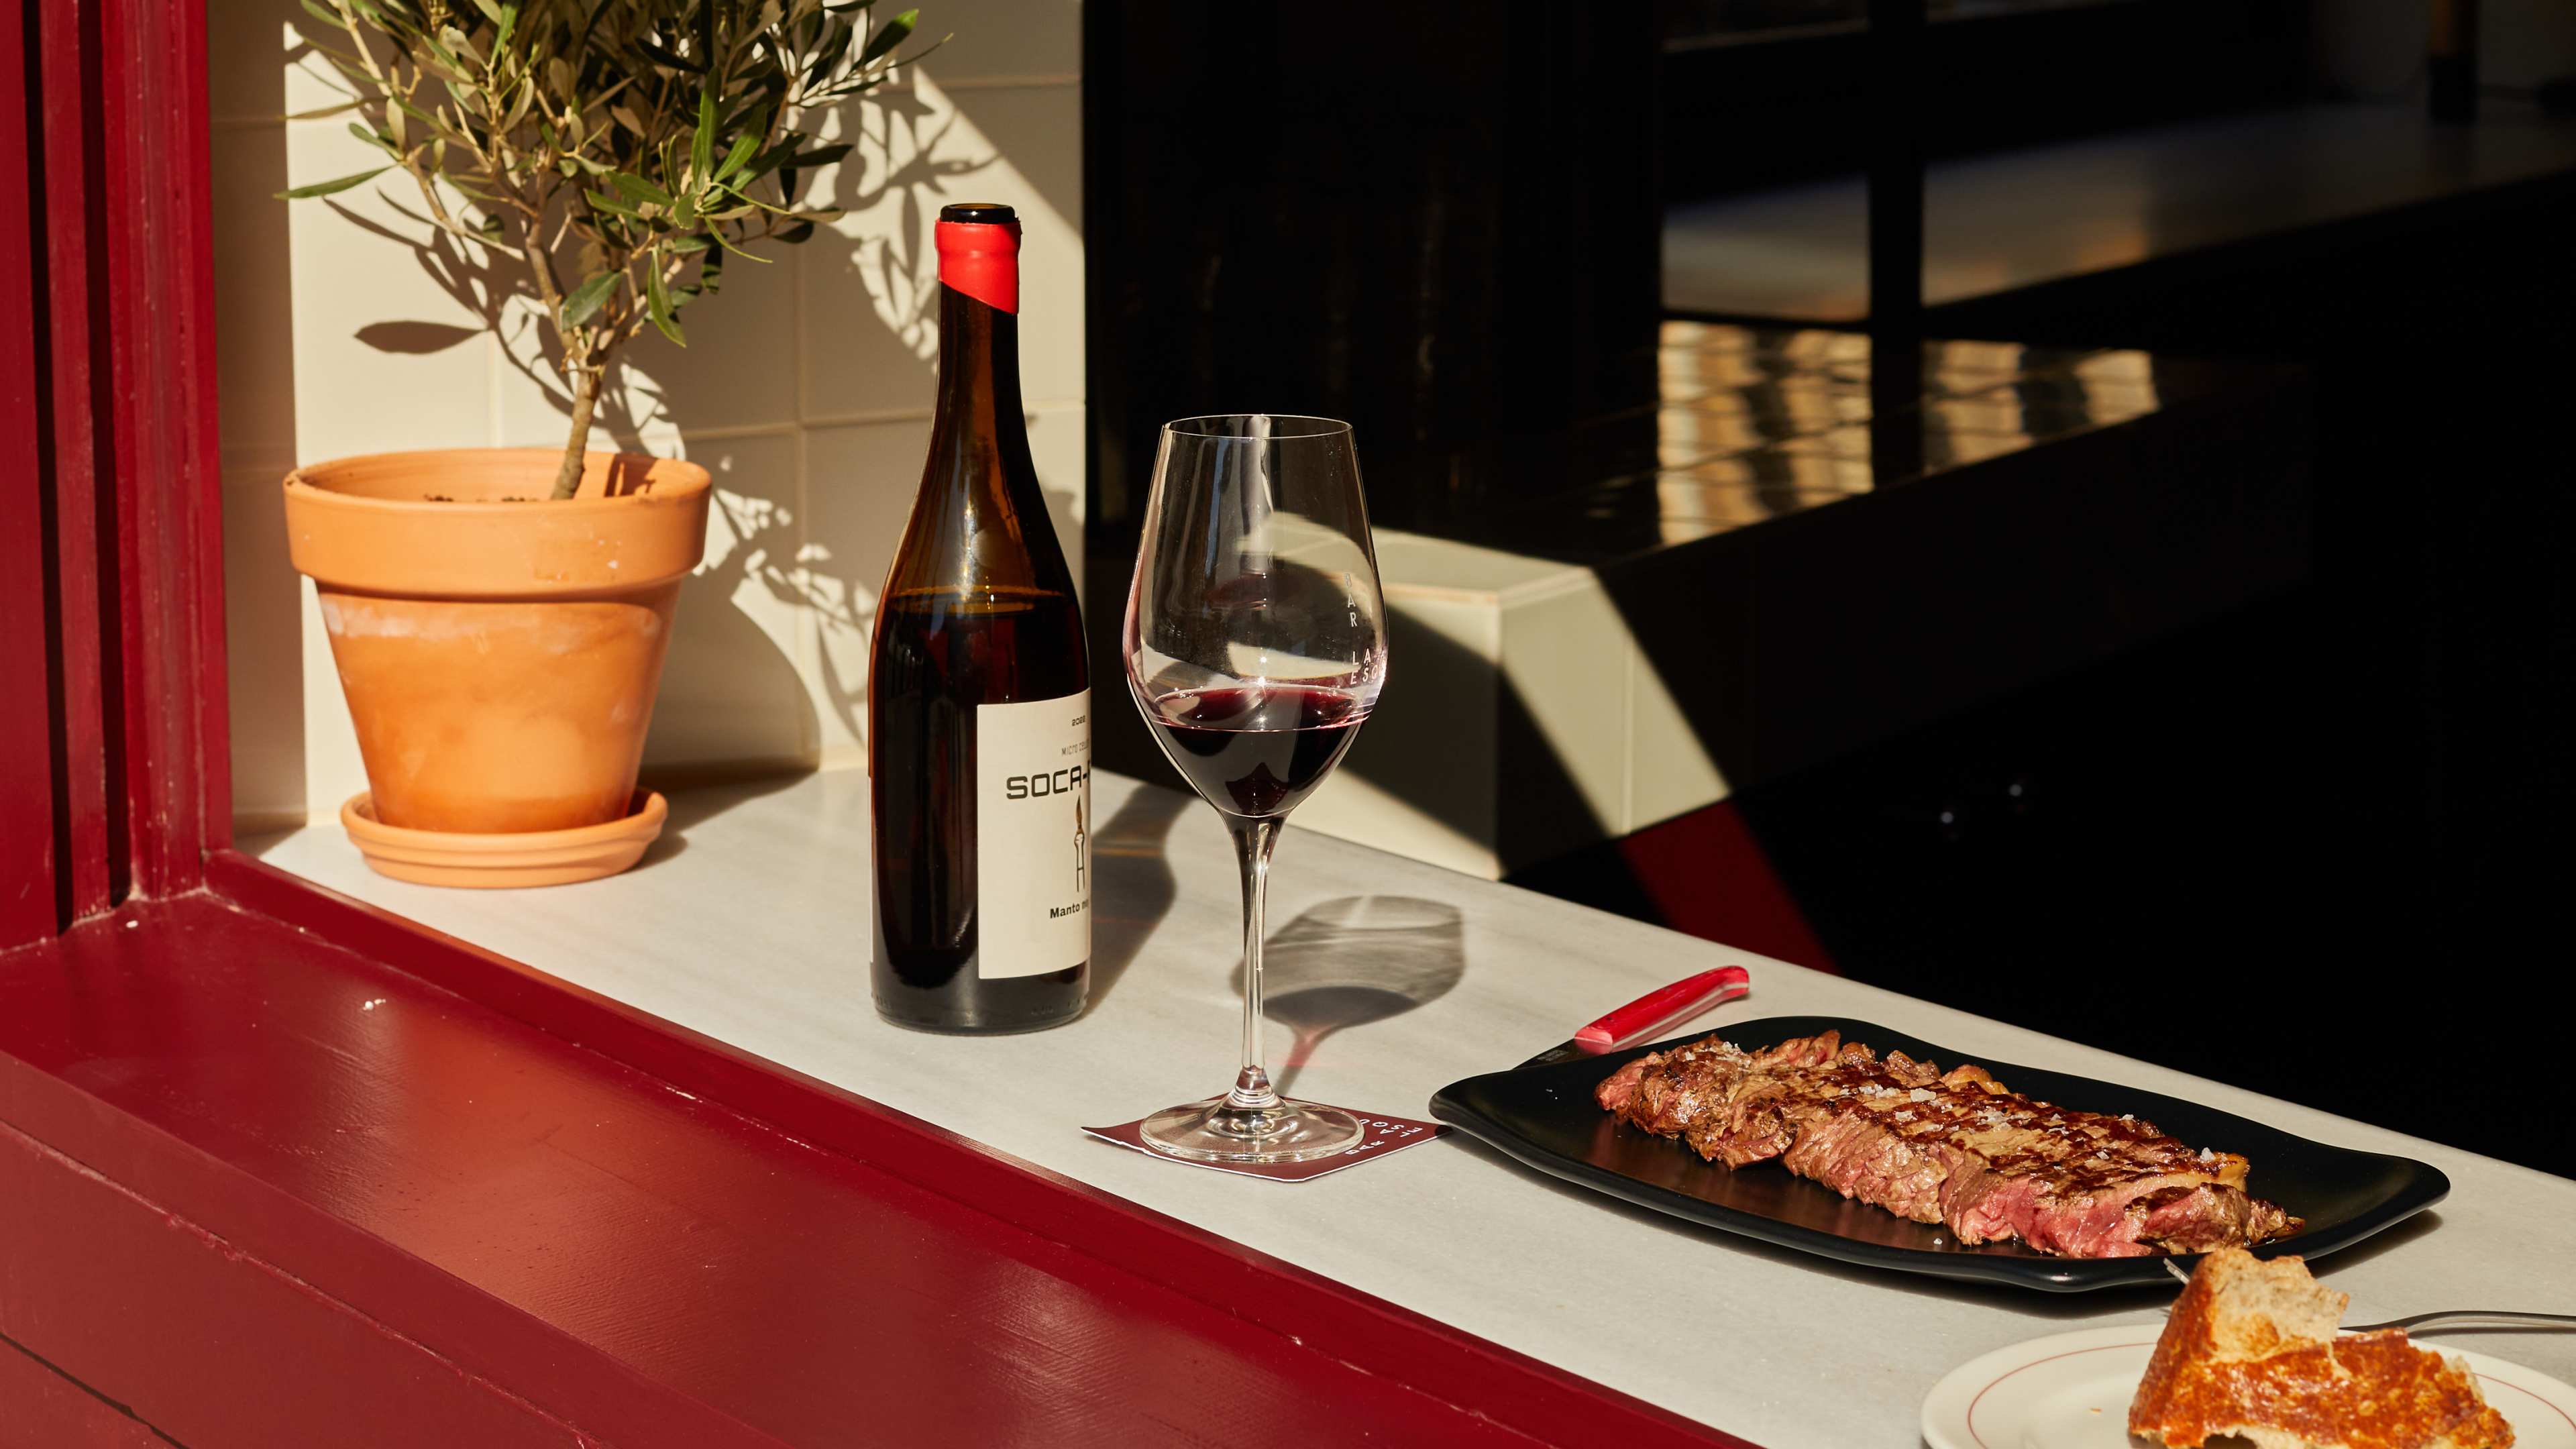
(532, 858)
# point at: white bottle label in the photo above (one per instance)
(1032, 836)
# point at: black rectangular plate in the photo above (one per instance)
(1547, 1118)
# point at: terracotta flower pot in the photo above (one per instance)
(499, 655)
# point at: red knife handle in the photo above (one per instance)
(1666, 1006)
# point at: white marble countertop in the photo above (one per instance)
(752, 926)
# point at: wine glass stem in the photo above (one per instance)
(1252, 842)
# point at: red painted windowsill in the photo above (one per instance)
(595, 1223)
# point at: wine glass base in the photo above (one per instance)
(1210, 1131)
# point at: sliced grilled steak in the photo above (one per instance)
(1957, 1149)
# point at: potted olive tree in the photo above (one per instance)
(499, 616)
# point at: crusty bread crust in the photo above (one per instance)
(2250, 1350)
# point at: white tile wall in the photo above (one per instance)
(1022, 42)
(859, 480)
(806, 385)
(735, 689)
(870, 302)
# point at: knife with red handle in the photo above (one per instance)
(1655, 1012)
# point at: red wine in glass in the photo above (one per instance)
(1257, 749)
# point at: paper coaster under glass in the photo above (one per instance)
(1379, 1136)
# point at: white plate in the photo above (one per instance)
(2071, 1391)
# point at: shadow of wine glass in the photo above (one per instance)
(1354, 960)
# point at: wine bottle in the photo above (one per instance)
(979, 695)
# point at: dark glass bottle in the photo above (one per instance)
(979, 729)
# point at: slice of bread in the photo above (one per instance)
(2251, 1350)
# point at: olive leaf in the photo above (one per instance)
(640, 189)
(658, 299)
(702, 146)
(325, 188)
(586, 299)
(611, 204)
(888, 36)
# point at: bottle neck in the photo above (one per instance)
(979, 364)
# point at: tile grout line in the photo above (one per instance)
(1041, 80)
(724, 432)
(495, 362)
(809, 623)
(720, 432)
(798, 263)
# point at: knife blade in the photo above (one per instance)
(1657, 1011)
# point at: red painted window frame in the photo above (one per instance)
(113, 731)
(114, 788)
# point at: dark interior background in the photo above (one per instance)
(2316, 848)
(1761, 94)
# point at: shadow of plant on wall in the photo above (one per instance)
(906, 155)
(892, 186)
(889, 190)
(747, 670)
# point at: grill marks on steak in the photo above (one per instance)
(1954, 1148)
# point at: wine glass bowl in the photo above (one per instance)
(1255, 644)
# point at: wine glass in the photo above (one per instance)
(1256, 645)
